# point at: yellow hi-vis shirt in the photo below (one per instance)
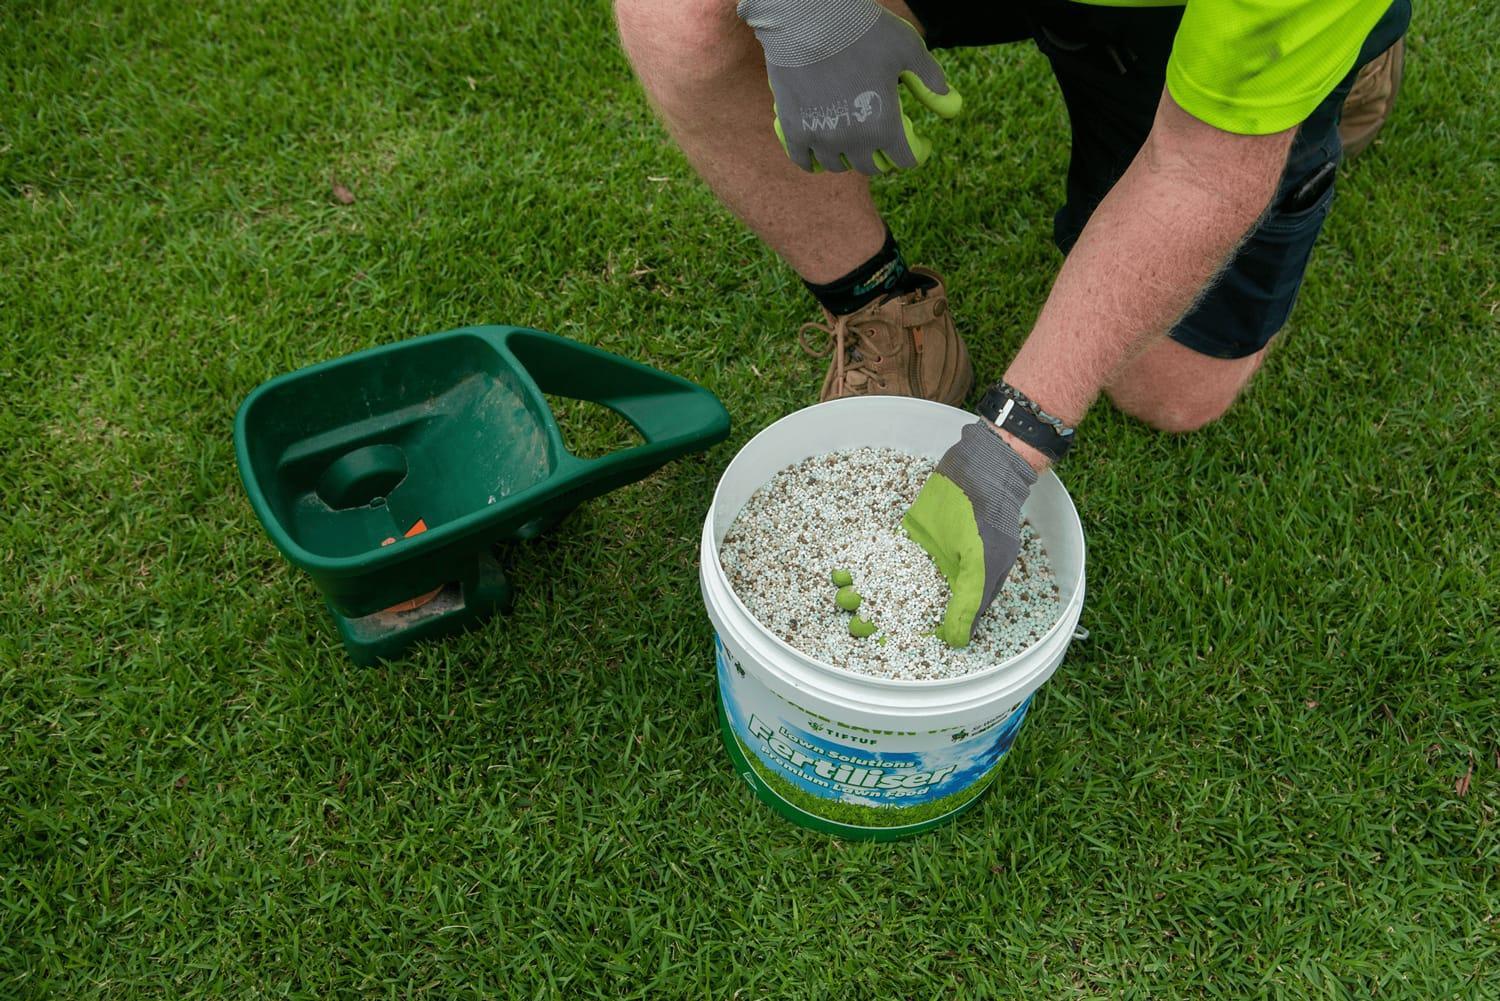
(1259, 66)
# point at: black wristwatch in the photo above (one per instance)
(1007, 407)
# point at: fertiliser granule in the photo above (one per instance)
(842, 511)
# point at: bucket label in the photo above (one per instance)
(853, 775)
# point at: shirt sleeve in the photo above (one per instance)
(1255, 67)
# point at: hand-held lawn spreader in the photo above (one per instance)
(388, 475)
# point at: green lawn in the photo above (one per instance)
(1246, 782)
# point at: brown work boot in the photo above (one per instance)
(901, 345)
(1371, 98)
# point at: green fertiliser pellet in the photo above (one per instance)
(861, 628)
(842, 578)
(848, 599)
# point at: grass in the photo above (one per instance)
(1247, 782)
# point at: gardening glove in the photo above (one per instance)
(834, 67)
(968, 518)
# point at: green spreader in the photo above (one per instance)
(390, 474)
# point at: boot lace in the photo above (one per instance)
(839, 338)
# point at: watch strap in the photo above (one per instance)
(1011, 410)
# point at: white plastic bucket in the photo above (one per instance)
(842, 752)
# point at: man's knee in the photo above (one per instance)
(689, 40)
(1178, 417)
(1175, 389)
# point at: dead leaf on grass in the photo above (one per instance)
(341, 194)
(1462, 785)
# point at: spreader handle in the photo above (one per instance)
(673, 415)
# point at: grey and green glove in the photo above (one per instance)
(834, 67)
(968, 518)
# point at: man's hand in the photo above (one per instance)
(834, 68)
(968, 518)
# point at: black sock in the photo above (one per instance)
(884, 274)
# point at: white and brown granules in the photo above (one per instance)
(842, 511)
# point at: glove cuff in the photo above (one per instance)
(802, 32)
(989, 471)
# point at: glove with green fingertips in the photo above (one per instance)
(835, 68)
(967, 517)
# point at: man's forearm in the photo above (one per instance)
(1148, 251)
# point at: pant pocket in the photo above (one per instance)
(1255, 294)
(1275, 256)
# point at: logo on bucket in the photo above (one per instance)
(852, 775)
(832, 769)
